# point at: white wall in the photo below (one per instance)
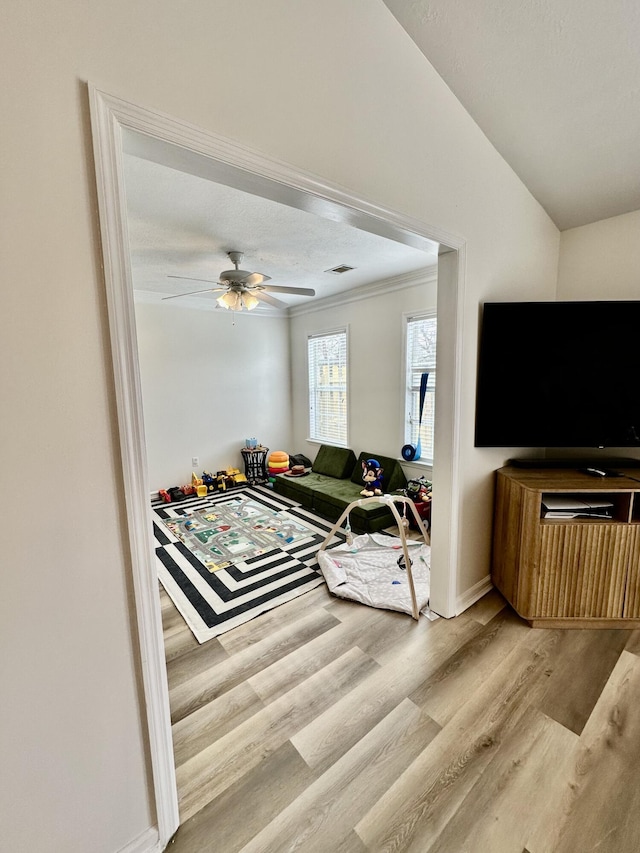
(323, 85)
(601, 260)
(210, 379)
(376, 357)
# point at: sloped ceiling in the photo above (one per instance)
(554, 85)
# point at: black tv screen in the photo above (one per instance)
(559, 374)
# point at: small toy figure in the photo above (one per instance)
(208, 481)
(164, 494)
(372, 478)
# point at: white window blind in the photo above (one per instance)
(421, 358)
(327, 355)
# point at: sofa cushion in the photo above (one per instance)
(295, 489)
(335, 462)
(393, 477)
(339, 493)
(334, 499)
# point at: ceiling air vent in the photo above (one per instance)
(340, 269)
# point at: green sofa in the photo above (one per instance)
(335, 481)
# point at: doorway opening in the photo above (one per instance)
(120, 128)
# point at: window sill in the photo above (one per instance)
(319, 441)
(425, 467)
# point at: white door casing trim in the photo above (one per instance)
(107, 122)
(110, 117)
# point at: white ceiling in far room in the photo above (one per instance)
(181, 224)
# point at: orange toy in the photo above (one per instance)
(278, 459)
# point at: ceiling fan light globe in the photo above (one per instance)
(230, 299)
(250, 301)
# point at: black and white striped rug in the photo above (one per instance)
(213, 602)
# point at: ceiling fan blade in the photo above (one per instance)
(193, 292)
(270, 300)
(255, 278)
(190, 278)
(297, 291)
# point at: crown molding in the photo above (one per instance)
(387, 285)
(378, 288)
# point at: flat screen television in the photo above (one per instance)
(559, 374)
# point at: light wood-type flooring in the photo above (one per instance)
(329, 726)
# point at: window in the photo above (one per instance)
(328, 387)
(421, 358)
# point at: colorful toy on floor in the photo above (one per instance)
(209, 481)
(236, 476)
(278, 462)
(198, 485)
(176, 493)
(164, 495)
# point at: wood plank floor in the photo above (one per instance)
(326, 726)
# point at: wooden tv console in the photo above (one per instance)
(571, 572)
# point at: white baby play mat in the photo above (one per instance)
(370, 571)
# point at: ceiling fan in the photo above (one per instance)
(243, 289)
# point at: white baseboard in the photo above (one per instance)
(147, 842)
(464, 601)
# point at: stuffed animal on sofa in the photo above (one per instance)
(372, 478)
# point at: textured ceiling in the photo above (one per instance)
(183, 224)
(554, 85)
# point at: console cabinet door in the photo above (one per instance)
(516, 542)
(632, 596)
(582, 570)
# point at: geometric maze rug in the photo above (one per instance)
(228, 557)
